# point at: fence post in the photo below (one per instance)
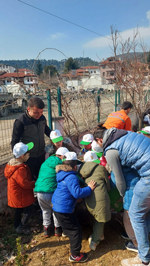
(98, 106)
(118, 96)
(115, 100)
(59, 101)
(49, 108)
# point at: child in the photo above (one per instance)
(45, 186)
(99, 152)
(57, 142)
(97, 149)
(20, 186)
(145, 131)
(98, 203)
(86, 141)
(64, 199)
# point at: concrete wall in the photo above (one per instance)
(3, 188)
(91, 82)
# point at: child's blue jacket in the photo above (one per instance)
(68, 190)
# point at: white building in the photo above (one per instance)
(29, 80)
(6, 68)
(93, 70)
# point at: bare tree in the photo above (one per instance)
(132, 75)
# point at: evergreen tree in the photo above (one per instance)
(39, 69)
(50, 70)
(70, 64)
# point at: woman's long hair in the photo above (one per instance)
(99, 131)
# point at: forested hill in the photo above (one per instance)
(61, 64)
(58, 64)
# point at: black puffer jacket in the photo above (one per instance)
(28, 129)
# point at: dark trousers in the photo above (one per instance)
(34, 164)
(27, 213)
(72, 229)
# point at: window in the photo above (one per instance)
(111, 73)
(103, 74)
(94, 71)
(103, 67)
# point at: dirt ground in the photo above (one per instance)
(54, 251)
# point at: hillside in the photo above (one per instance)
(139, 56)
(58, 64)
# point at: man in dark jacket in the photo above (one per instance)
(31, 127)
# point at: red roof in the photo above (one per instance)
(78, 72)
(16, 75)
(90, 67)
(25, 69)
(109, 62)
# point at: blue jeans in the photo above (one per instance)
(139, 213)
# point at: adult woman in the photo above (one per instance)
(125, 148)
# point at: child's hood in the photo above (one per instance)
(53, 161)
(11, 167)
(63, 171)
(87, 169)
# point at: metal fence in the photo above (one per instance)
(81, 111)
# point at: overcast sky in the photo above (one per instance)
(26, 31)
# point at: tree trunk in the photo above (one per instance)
(140, 123)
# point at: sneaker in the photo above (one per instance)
(81, 258)
(22, 229)
(125, 236)
(64, 235)
(133, 262)
(130, 246)
(92, 244)
(58, 231)
(46, 231)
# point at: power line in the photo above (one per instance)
(63, 19)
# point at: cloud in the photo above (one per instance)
(57, 35)
(148, 14)
(101, 42)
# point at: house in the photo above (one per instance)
(93, 70)
(25, 78)
(6, 68)
(73, 79)
(84, 78)
(108, 69)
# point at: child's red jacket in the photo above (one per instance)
(19, 184)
